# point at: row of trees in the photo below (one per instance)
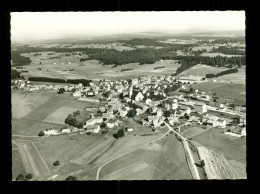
(228, 50)
(222, 73)
(85, 82)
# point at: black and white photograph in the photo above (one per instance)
(154, 95)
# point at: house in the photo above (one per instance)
(129, 129)
(148, 101)
(141, 106)
(51, 132)
(102, 109)
(172, 120)
(221, 123)
(93, 128)
(94, 121)
(108, 115)
(194, 119)
(137, 96)
(65, 130)
(159, 112)
(152, 118)
(200, 108)
(110, 125)
(77, 94)
(139, 111)
(144, 122)
(123, 112)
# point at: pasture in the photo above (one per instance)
(162, 160)
(201, 70)
(192, 131)
(25, 102)
(90, 69)
(231, 93)
(233, 148)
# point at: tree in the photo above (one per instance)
(131, 113)
(41, 133)
(103, 125)
(29, 176)
(20, 177)
(71, 120)
(71, 178)
(56, 163)
(61, 90)
(120, 133)
(202, 163)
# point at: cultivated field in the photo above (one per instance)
(201, 70)
(17, 165)
(59, 115)
(32, 160)
(93, 151)
(25, 102)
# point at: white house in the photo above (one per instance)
(93, 128)
(221, 123)
(200, 108)
(77, 94)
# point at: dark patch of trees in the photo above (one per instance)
(227, 72)
(41, 133)
(71, 178)
(131, 113)
(20, 177)
(159, 67)
(29, 176)
(61, 90)
(46, 79)
(19, 60)
(56, 163)
(15, 74)
(84, 82)
(228, 50)
(128, 69)
(171, 88)
(210, 75)
(120, 133)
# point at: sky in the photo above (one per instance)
(47, 25)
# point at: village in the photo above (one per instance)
(149, 100)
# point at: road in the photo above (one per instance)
(31, 157)
(190, 160)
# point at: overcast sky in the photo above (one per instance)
(37, 25)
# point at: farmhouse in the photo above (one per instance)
(93, 128)
(190, 79)
(200, 108)
(129, 129)
(77, 93)
(94, 121)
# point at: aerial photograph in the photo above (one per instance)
(128, 95)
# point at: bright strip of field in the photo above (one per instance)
(123, 172)
(209, 169)
(59, 115)
(88, 99)
(32, 160)
(93, 151)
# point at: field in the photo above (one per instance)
(93, 151)
(232, 148)
(236, 78)
(25, 102)
(201, 70)
(231, 93)
(218, 54)
(192, 131)
(31, 158)
(90, 69)
(59, 115)
(158, 161)
(17, 165)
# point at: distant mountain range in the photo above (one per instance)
(73, 38)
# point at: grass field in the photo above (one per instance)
(59, 115)
(25, 102)
(93, 151)
(17, 165)
(124, 145)
(31, 158)
(192, 131)
(218, 54)
(201, 70)
(90, 69)
(231, 93)
(233, 148)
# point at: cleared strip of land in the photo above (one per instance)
(93, 151)
(123, 172)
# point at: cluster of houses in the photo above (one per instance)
(144, 96)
